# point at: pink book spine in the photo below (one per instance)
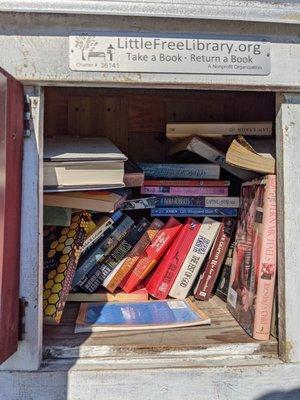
(267, 265)
(184, 191)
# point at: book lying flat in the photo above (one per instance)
(180, 171)
(134, 175)
(58, 216)
(124, 316)
(241, 154)
(100, 201)
(178, 131)
(82, 163)
(140, 294)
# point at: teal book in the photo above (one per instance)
(159, 314)
(57, 216)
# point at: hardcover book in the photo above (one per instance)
(152, 254)
(89, 261)
(193, 212)
(208, 277)
(125, 266)
(185, 182)
(61, 253)
(185, 191)
(102, 269)
(124, 316)
(195, 258)
(252, 280)
(181, 171)
(195, 201)
(211, 153)
(164, 275)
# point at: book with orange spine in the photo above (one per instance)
(125, 266)
(152, 254)
(164, 275)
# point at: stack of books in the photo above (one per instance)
(170, 238)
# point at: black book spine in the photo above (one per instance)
(105, 267)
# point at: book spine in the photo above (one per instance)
(139, 204)
(104, 268)
(111, 283)
(165, 274)
(98, 233)
(222, 202)
(102, 250)
(185, 191)
(181, 171)
(57, 282)
(193, 212)
(216, 258)
(152, 254)
(195, 201)
(185, 183)
(267, 266)
(195, 258)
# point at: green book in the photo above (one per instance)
(58, 216)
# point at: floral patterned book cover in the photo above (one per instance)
(252, 280)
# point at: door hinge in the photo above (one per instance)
(22, 306)
(27, 116)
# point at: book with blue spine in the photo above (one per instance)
(193, 212)
(195, 201)
(181, 171)
(120, 316)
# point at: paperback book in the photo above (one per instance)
(195, 201)
(185, 182)
(252, 280)
(126, 316)
(222, 283)
(181, 171)
(193, 212)
(185, 191)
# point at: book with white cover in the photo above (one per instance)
(204, 149)
(195, 258)
(82, 163)
(68, 149)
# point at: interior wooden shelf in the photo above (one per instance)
(223, 332)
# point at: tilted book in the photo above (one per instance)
(222, 283)
(61, 254)
(185, 191)
(210, 272)
(185, 182)
(195, 258)
(193, 212)
(252, 280)
(165, 273)
(181, 171)
(117, 254)
(210, 153)
(197, 201)
(89, 262)
(152, 254)
(102, 224)
(117, 276)
(140, 204)
(124, 316)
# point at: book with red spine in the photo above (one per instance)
(185, 182)
(164, 275)
(208, 277)
(185, 191)
(152, 255)
(126, 265)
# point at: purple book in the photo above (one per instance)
(184, 191)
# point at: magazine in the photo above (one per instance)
(160, 314)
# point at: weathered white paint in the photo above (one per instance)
(288, 171)
(248, 10)
(29, 352)
(36, 51)
(273, 382)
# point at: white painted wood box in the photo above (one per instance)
(217, 362)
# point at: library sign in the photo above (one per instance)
(186, 55)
